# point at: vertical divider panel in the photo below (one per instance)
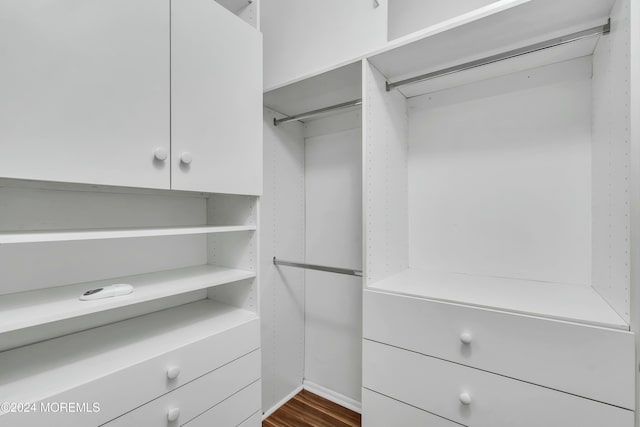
(635, 182)
(610, 163)
(385, 157)
(234, 250)
(282, 225)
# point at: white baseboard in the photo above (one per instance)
(277, 406)
(333, 396)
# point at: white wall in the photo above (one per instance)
(333, 302)
(302, 38)
(500, 176)
(282, 235)
(407, 16)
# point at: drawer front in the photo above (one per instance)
(381, 411)
(477, 398)
(593, 362)
(136, 385)
(187, 402)
(234, 411)
(253, 421)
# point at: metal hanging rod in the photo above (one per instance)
(313, 113)
(347, 271)
(570, 38)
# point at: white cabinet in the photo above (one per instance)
(586, 361)
(84, 91)
(498, 279)
(131, 93)
(187, 358)
(216, 100)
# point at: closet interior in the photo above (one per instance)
(496, 207)
(312, 215)
(422, 211)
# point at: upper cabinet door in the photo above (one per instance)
(84, 91)
(216, 100)
(302, 38)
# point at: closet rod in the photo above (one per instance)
(347, 271)
(569, 38)
(314, 113)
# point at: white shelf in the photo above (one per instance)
(334, 87)
(27, 309)
(79, 358)
(561, 301)
(42, 236)
(489, 30)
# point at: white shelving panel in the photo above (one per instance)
(27, 309)
(490, 30)
(42, 236)
(331, 88)
(562, 301)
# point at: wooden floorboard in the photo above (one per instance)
(306, 409)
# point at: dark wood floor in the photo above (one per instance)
(309, 410)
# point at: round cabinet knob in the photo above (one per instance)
(173, 414)
(161, 154)
(466, 338)
(173, 372)
(465, 398)
(186, 158)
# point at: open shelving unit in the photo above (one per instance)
(60, 240)
(503, 186)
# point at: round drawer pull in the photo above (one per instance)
(173, 372)
(466, 338)
(173, 414)
(160, 154)
(465, 398)
(186, 158)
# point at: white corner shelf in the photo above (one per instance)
(44, 236)
(39, 307)
(73, 359)
(493, 29)
(559, 301)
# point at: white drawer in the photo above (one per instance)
(439, 387)
(136, 385)
(381, 411)
(253, 421)
(124, 365)
(593, 362)
(234, 411)
(187, 402)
